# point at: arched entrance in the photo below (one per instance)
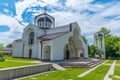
(47, 52)
(66, 52)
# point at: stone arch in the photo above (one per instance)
(66, 52)
(47, 52)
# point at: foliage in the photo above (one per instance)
(92, 50)
(84, 39)
(1, 46)
(2, 55)
(112, 43)
(9, 45)
(105, 31)
(99, 52)
(112, 46)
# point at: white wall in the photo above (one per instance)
(58, 47)
(17, 49)
(39, 50)
(58, 29)
(44, 54)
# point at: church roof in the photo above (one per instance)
(43, 14)
(51, 36)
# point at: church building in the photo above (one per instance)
(42, 40)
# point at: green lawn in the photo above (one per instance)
(116, 71)
(72, 73)
(15, 62)
(109, 62)
(97, 74)
(18, 59)
(7, 64)
(118, 62)
(69, 74)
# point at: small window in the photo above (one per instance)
(31, 38)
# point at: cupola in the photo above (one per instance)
(44, 21)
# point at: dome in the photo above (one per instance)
(44, 21)
(46, 18)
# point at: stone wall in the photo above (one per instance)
(11, 73)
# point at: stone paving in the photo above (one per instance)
(58, 67)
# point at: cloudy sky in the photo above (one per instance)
(91, 15)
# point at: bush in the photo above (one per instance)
(2, 56)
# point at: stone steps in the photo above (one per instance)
(87, 65)
(93, 64)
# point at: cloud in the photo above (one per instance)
(15, 27)
(22, 5)
(90, 16)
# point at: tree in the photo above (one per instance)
(9, 45)
(92, 49)
(105, 31)
(1, 46)
(84, 39)
(112, 46)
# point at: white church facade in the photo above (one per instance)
(44, 41)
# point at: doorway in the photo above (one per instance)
(30, 54)
(67, 56)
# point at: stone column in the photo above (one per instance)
(103, 46)
(99, 43)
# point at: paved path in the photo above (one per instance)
(58, 67)
(110, 72)
(85, 73)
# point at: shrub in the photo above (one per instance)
(2, 56)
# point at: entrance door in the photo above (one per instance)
(67, 54)
(30, 54)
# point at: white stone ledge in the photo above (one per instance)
(11, 73)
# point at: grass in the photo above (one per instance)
(72, 73)
(9, 64)
(109, 62)
(97, 74)
(15, 62)
(18, 59)
(69, 74)
(116, 71)
(118, 62)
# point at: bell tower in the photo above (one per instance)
(44, 21)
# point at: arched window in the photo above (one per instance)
(31, 38)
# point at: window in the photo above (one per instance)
(31, 38)
(48, 24)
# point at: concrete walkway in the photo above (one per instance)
(110, 72)
(90, 70)
(58, 67)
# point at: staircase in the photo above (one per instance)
(95, 63)
(81, 64)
